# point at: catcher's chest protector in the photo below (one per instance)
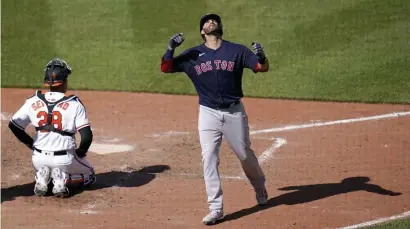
(50, 107)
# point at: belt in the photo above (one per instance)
(56, 153)
(226, 105)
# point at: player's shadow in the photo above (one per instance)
(127, 179)
(104, 180)
(8, 194)
(307, 193)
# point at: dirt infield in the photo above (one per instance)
(327, 166)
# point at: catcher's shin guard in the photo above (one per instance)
(78, 181)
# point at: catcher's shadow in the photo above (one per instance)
(104, 180)
(127, 179)
(307, 193)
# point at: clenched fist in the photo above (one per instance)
(176, 41)
(258, 50)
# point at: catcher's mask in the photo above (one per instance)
(206, 17)
(56, 71)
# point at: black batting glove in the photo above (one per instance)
(176, 41)
(258, 50)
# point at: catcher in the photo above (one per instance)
(56, 117)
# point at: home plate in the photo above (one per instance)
(99, 148)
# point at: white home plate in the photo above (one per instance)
(99, 148)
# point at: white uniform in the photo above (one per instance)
(68, 115)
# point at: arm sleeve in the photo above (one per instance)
(171, 64)
(21, 135)
(249, 59)
(86, 138)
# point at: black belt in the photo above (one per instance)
(225, 105)
(57, 153)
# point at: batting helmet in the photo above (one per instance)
(206, 17)
(56, 71)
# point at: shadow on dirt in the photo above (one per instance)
(127, 179)
(308, 193)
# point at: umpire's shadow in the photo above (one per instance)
(307, 193)
(104, 180)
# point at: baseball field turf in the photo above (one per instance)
(322, 50)
(398, 224)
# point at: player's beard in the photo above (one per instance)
(213, 30)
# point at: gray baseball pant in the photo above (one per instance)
(232, 124)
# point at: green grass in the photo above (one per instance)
(26, 42)
(396, 224)
(324, 50)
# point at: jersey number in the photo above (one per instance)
(56, 119)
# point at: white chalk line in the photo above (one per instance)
(227, 177)
(87, 209)
(279, 142)
(378, 221)
(343, 121)
(5, 116)
(161, 136)
(114, 140)
(268, 152)
(15, 176)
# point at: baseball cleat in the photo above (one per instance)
(91, 180)
(213, 217)
(262, 197)
(42, 179)
(59, 189)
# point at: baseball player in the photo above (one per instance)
(56, 117)
(215, 67)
